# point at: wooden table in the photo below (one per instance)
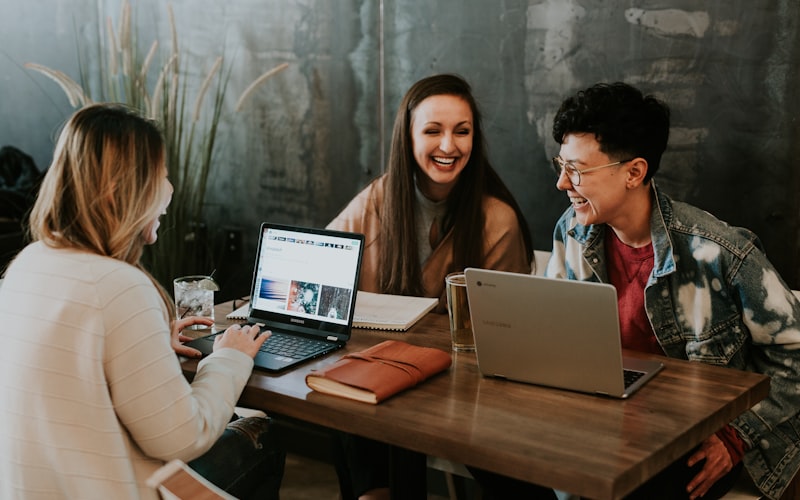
(588, 445)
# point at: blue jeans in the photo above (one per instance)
(246, 461)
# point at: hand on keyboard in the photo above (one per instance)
(244, 338)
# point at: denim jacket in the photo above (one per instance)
(713, 297)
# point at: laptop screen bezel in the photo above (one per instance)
(312, 327)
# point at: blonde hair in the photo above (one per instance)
(104, 186)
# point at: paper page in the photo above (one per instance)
(390, 310)
(241, 313)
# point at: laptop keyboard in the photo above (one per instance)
(631, 376)
(292, 346)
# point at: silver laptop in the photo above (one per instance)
(552, 332)
(304, 291)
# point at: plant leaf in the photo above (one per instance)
(159, 88)
(257, 82)
(112, 47)
(73, 91)
(125, 45)
(173, 31)
(204, 88)
(147, 60)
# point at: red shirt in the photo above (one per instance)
(628, 270)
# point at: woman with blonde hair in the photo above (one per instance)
(92, 396)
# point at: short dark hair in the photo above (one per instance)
(626, 123)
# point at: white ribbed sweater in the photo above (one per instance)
(92, 398)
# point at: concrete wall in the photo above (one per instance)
(316, 133)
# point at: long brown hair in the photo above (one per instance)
(103, 188)
(400, 269)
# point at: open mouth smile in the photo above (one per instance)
(577, 201)
(446, 162)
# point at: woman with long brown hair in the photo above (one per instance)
(439, 208)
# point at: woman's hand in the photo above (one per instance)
(178, 338)
(242, 338)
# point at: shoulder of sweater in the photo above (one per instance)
(374, 189)
(361, 212)
(497, 209)
(80, 266)
(75, 260)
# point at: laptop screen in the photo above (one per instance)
(306, 279)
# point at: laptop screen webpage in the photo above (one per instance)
(306, 278)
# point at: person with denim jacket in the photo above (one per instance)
(689, 285)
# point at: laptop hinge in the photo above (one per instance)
(332, 338)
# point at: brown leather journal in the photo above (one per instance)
(377, 373)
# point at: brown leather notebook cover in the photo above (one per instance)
(383, 370)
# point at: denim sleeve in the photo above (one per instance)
(557, 265)
(770, 311)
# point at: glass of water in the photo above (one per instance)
(194, 296)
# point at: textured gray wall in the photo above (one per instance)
(316, 133)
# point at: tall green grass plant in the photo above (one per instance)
(190, 124)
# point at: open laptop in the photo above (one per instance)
(552, 332)
(304, 291)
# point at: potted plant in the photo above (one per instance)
(189, 122)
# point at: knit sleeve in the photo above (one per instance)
(164, 415)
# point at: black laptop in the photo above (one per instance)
(303, 291)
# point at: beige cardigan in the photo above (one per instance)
(92, 397)
(504, 246)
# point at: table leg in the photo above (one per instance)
(407, 474)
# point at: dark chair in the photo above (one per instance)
(13, 205)
(10, 244)
(14, 208)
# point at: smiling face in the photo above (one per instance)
(602, 195)
(442, 135)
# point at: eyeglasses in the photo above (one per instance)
(572, 171)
